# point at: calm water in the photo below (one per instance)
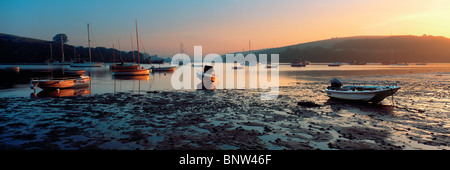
(17, 84)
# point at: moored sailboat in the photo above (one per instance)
(90, 63)
(132, 71)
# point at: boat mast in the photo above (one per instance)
(51, 52)
(132, 48)
(89, 43)
(120, 52)
(181, 48)
(250, 46)
(114, 58)
(62, 48)
(137, 40)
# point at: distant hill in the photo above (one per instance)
(367, 49)
(16, 49)
(415, 49)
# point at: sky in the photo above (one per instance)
(220, 26)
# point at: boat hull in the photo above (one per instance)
(87, 64)
(80, 82)
(163, 68)
(130, 72)
(123, 67)
(367, 96)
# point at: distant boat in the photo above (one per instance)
(87, 64)
(60, 83)
(90, 63)
(336, 64)
(16, 69)
(374, 93)
(248, 63)
(136, 77)
(62, 55)
(132, 72)
(237, 67)
(169, 68)
(357, 63)
(123, 66)
(271, 66)
(61, 63)
(399, 64)
(296, 63)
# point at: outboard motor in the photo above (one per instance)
(335, 84)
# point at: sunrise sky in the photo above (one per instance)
(220, 26)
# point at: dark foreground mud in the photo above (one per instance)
(302, 117)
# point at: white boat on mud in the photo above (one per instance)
(360, 92)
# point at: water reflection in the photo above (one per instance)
(127, 81)
(62, 93)
(13, 84)
(360, 107)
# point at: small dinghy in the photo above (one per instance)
(360, 92)
(60, 83)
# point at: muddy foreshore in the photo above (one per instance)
(235, 119)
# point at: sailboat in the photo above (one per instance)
(122, 65)
(297, 63)
(71, 72)
(133, 71)
(90, 63)
(62, 55)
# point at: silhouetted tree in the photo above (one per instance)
(57, 38)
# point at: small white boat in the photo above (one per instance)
(60, 83)
(169, 68)
(336, 64)
(374, 93)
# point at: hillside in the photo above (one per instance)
(368, 49)
(15, 49)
